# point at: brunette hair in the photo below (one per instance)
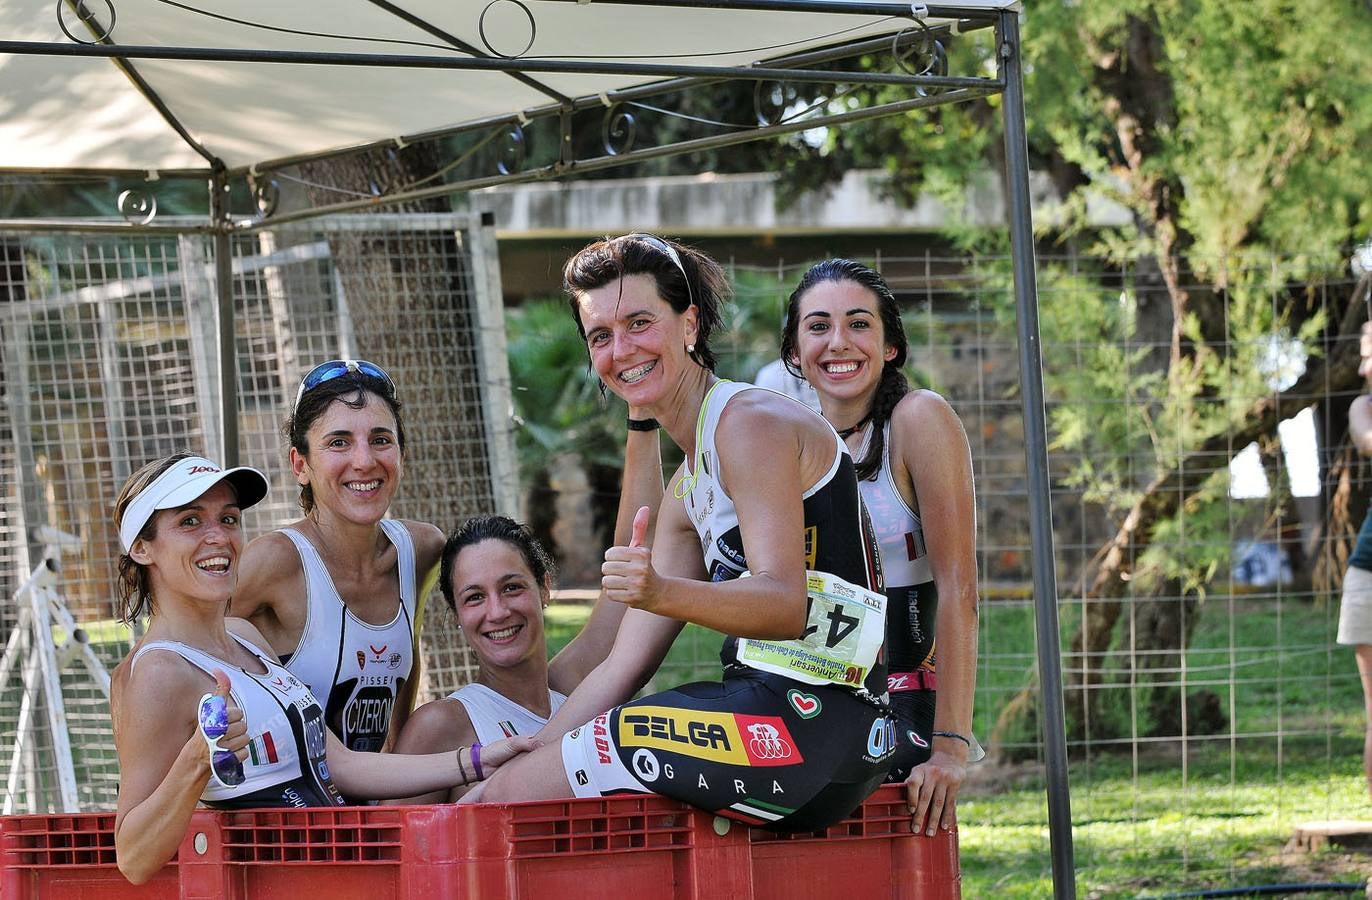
(134, 587)
(499, 528)
(893, 384)
(698, 280)
(350, 389)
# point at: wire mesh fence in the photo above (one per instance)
(1209, 707)
(110, 359)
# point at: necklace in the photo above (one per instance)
(846, 433)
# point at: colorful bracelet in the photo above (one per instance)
(643, 424)
(476, 761)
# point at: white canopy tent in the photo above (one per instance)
(187, 115)
(156, 88)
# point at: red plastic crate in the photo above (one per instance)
(638, 846)
(870, 854)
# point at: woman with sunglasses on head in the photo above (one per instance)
(795, 736)
(203, 711)
(844, 335)
(339, 592)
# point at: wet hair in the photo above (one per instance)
(893, 384)
(350, 389)
(134, 585)
(699, 280)
(498, 528)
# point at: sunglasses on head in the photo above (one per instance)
(337, 368)
(213, 719)
(666, 250)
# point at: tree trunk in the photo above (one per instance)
(1335, 371)
(408, 294)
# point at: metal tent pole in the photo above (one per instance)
(228, 355)
(1036, 459)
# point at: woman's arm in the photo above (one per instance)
(643, 639)
(428, 547)
(164, 763)
(271, 591)
(436, 727)
(382, 776)
(770, 451)
(934, 451)
(641, 486)
(1360, 423)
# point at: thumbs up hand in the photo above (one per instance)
(235, 738)
(627, 575)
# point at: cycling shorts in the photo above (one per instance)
(914, 712)
(757, 747)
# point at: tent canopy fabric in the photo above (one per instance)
(88, 113)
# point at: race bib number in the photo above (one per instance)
(844, 628)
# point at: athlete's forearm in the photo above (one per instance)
(641, 486)
(377, 776)
(956, 633)
(146, 837)
(759, 606)
(608, 685)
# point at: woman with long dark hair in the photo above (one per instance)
(844, 335)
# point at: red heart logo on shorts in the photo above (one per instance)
(807, 705)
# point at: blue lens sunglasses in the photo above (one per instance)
(337, 368)
(213, 718)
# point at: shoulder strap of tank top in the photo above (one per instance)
(890, 476)
(400, 537)
(688, 481)
(198, 658)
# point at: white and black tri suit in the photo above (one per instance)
(356, 669)
(495, 717)
(767, 748)
(286, 764)
(912, 606)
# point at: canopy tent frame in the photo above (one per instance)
(929, 89)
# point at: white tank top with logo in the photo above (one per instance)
(286, 763)
(356, 669)
(495, 716)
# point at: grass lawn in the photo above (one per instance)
(1168, 816)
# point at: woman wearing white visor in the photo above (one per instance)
(203, 711)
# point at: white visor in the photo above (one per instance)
(180, 485)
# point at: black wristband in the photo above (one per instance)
(643, 424)
(955, 736)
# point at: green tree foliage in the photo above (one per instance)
(1236, 137)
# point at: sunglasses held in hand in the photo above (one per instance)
(225, 766)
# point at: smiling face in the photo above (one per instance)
(636, 340)
(354, 462)
(840, 343)
(195, 552)
(499, 603)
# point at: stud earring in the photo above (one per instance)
(690, 348)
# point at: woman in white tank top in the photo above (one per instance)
(338, 594)
(844, 335)
(178, 521)
(497, 577)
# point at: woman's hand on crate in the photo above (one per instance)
(931, 791)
